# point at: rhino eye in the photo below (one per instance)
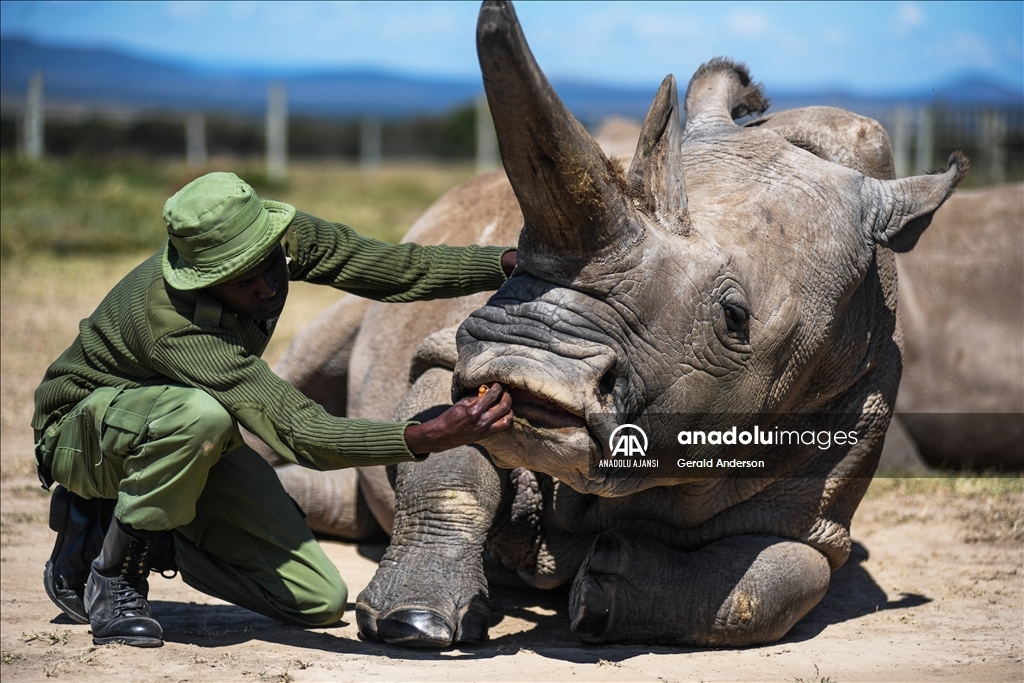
(737, 321)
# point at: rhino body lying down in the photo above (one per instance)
(962, 395)
(741, 270)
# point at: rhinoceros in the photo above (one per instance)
(962, 392)
(962, 395)
(742, 270)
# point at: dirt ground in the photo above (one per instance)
(932, 591)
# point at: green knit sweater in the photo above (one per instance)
(145, 333)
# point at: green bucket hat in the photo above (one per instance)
(217, 229)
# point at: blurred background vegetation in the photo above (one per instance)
(100, 186)
(97, 185)
(101, 205)
(448, 136)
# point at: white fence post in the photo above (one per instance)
(486, 139)
(993, 144)
(901, 141)
(195, 140)
(35, 118)
(370, 144)
(277, 132)
(924, 152)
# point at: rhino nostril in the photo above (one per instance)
(607, 383)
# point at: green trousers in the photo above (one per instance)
(174, 459)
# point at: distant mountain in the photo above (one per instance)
(107, 78)
(96, 78)
(979, 88)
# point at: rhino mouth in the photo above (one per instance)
(543, 413)
(537, 411)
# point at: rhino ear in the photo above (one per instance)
(908, 204)
(655, 177)
(720, 92)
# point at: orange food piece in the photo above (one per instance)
(482, 390)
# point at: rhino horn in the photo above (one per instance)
(720, 92)
(572, 197)
(906, 206)
(835, 135)
(655, 177)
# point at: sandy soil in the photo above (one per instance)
(933, 590)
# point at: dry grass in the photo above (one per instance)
(987, 509)
(966, 485)
(52, 637)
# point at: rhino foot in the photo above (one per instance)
(425, 627)
(594, 592)
(430, 589)
(736, 591)
(408, 604)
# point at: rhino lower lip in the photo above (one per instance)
(547, 419)
(541, 412)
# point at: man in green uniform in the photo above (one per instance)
(140, 415)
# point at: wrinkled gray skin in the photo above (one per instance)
(961, 399)
(962, 313)
(729, 269)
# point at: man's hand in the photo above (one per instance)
(468, 421)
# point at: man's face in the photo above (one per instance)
(260, 292)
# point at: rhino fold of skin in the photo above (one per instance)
(730, 269)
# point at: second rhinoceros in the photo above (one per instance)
(728, 271)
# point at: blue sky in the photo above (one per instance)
(865, 47)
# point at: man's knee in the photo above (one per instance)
(328, 607)
(168, 456)
(318, 591)
(208, 425)
(212, 419)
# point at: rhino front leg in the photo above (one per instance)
(332, 501)
(430, 589)
(741, 590)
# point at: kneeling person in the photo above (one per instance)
(138, 418)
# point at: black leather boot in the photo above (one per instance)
(162, 555)
(81, 524)
(116, 592)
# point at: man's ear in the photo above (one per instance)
(904, 207)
